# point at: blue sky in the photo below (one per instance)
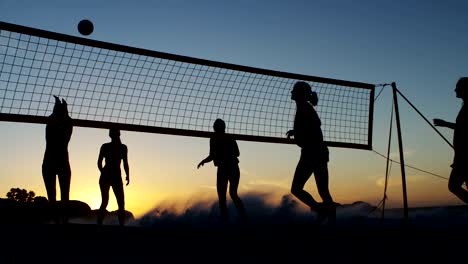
(420, 45)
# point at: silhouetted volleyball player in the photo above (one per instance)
(59, 129)
(314, 153)
(224, 152)
(459, 173)
(113, 152)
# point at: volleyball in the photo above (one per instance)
(85, 27)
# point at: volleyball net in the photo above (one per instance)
(107, 84)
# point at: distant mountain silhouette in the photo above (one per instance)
(41, 212)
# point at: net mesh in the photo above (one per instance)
(117, 86)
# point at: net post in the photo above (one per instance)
(371, 118)
(388, 162)
(400, 148)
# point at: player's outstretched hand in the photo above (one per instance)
(200, 164)
(290, 133)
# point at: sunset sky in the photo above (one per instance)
(420, 45)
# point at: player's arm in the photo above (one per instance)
(125, 164)
(236, 149)
(210, 156)
(100, 158)
(443, 123)
(205, 160)
(68, 131)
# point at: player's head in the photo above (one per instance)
(303, 92)
(114, 133)
(462, 88)
(219, 126)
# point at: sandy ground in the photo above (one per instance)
(88, 243)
